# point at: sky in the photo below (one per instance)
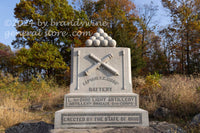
(162, 17)
(7, 20)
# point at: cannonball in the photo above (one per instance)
(96, 43)
(96, 34)
(100, 30)
(88, 42)
(104, 43)
(108, 38)
(104, 35)
(92, 38)
(112, 43)
(100, 38)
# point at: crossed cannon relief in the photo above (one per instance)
(101, 62)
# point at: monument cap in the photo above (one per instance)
(100, 39)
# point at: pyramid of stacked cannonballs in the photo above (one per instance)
(100, 39)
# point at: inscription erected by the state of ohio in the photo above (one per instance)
(106, 118)
(101, 101)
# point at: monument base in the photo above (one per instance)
(100, 117)
(101, 110)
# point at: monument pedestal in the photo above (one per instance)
(101, 89)
(103, 117)
(101, 110)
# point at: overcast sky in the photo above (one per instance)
(7, 20)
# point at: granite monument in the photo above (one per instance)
(101, 88)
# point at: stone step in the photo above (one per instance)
(96, 100)
(101, 117)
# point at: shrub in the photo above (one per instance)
(13, 112)
(178, 93)
(17, 98)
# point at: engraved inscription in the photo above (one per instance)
(101, 101)
(106, 118)
(100, 78)
(100, 89)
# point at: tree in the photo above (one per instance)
(42, 58)
(169, 38)
(117, 14)
(125, 40)
(147, 13)
(121, 18)
(184, 14)
(157, 59)
(6, 55)
(50, 21)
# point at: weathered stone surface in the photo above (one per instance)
(196, 120)
(36, 107)
(164, 127)
(96, 130)
(154, 127)
(42, 127)
(38, 127)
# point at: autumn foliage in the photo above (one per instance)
(174, 49)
